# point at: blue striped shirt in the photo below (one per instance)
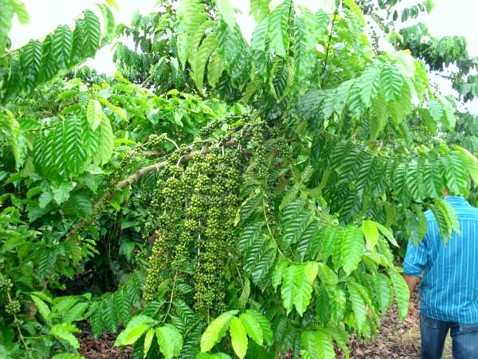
(449, 288)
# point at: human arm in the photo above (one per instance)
(414, 264)
(412, 282)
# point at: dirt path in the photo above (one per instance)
(395, 340)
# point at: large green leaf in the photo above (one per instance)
(134, 330)
(227, 12)
(120, 112)
(370, 232)
(387, 233)
(170, 340)
(279, 27)
(64, 332)
(96, 319)
(383, 291)
(6, 15)
(259, 45)
(213, 356)
(9, 130)
(109, 314)
(109, 32)
(42, 307)
(215, 68)
(200, 59)
(30, 63)
(259, 259)
(252, 317)
(294, 225)
(341, 95)
(74, 154)
(358, 306)
(296, 290)
(402, 292)
(49, 66)
(379, 122)
(123, 304)
(106, 145)
(303, 46)
(432, 178)
(216, 330)
(91, 32)
(327, 276)
(61, 46)
(67, 356)
(259, 9)
(47, 260)
(62, 153)
(252, 327)
(191, 13)
(317, 345)
(21, 11)
(454, 172)
(391, 82)
(278, 272)
(436, 110)
(77, 312)
(349, 248)
(94, 114)
(446, 217)
(233, 49)
(470, 163)
(238, 337)
(148, 341)
(415, 172)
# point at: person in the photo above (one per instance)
(449, 284)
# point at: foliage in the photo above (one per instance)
(221, 197)
(154, 61)
(40, 61)
(440, 54)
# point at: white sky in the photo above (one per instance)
(44, 20)
(46, 15)
(448, 17)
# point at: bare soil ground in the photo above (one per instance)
(396, 339)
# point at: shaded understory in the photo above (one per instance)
(395, 340)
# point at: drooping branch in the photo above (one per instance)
(132, 179)
(329, 41)
(138, 174)
(110, 193)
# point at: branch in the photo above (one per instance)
(329, 41)
(153, 153)
(128, 182)
(138, 174)
(132, 179)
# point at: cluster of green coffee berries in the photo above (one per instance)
(222, 196)
(156, 140)
(157, 263)
(5, 284)
(194, 208)
(13, 307)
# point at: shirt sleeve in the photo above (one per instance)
(415, 258)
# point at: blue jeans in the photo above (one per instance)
(433, 333)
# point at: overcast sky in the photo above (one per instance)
(457, 17)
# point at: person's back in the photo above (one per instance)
(449, 288)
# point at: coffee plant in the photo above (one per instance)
(222, 197)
